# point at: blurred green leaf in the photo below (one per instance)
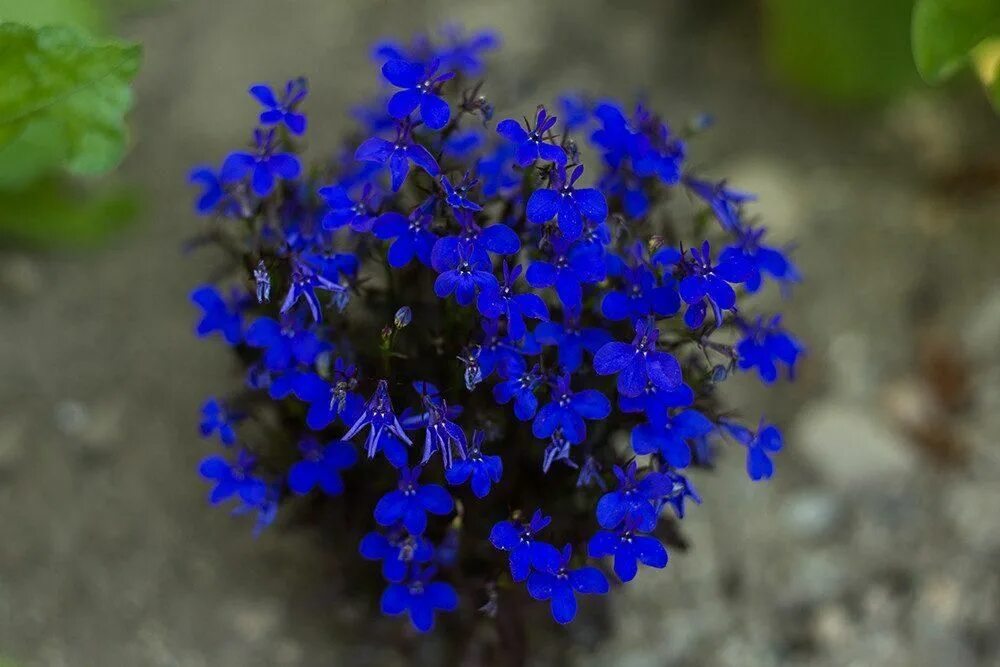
(81, 13)
(76, 85)
(53, 211)
(944, 33)
(844, 50)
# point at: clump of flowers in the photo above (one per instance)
(444, 321)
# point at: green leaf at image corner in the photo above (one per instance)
(944, 32)
(81, 85)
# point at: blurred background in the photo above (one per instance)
(878, 541)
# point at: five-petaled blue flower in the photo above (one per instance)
(398, 155)
(413, 235)
(764, 346)
(568, 409)
(233, 479)
(321, 466)
(638, 362)
(530, 142)
(704, 281)
(671, 435)
(484, 470)
(304, 283)
(264, 166)
(343, 210)
(633, 498)
(420, 89)
(381, 420)
(760, 444)
(463, 273)
(500, 300)
(397, 551)
(572, 265)
(215, 418)
(526, 552)
(421, 597)
(442, 435)
(629, 548)
(571, 339)
(282, 109)
(410, 502)
(567, 203)
(519, 384)
(284, 345)
(218, 315)
(458, 197)
(558, 583)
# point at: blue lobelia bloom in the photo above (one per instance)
(482, 469)
(264, 166)
(421, 89)
(398, 155)
(321, 466)
(397, 551)
(343, 210)
(284, 345)
(218, 315)
(572, 265)
(413, 235)
(641, 296)
(215, 418)
(633, 498)
(671, 435)
(567, 203)
(498, 239)
(764, 345)
(262, 282)
(654, 400)
(571, 340)
(526, 552)
(558, 449)
(764, 260)
(411, 501)
(421, 597)
(458, 198)
(465, 53)
(304, 283)
(724, 201)
(519, 384)
(282, 109)
(212, 194)
(501, 301)
(559, 583)
(638, 362)
(463, 273)
(495, 351)
(629, 548)
(327, 401)
(530, 142)
(496, 169)
(568, 409)
(704, 281)
(442, 434)
(379, 417)
(675, 490)
(233, 479)
(760, 444)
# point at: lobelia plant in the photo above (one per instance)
(444, 323)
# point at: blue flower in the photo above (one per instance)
(262, 282)
(321, 466)
(233, 479)
(500, 300)
(639, 362)
(571, 340)
(629, 548)
(442, 435)
(264, 166)
(346, 211)
(284, 346)
(421, 597)
(283, 109)
(764, 346)
(568, 409)
(525, 550)
(328, 401)
(559, 583)
(633, 498)
(212, 194)
(484, 470)
(413, 235)
(670, 435)
(571, 266)
(218, 315)
(411, 501)
(763, 259)
(495, 350)
(459, 197)
(641, 297)
(398, 155)
(420, 89)
(760, 444)
(381, 421)
(575, 111)
(463, 273)
(464, 54)
(496, 170)
(215, 418)
(704, 281)
(531, 144)
(724, 201)
(653, 400)
(675, 490)
(567, 203)
(304, 283)
(498, 239)
(396, 551)
(558, 449)
(266, 508)
(519, 385)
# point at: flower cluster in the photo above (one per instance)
(447, 320)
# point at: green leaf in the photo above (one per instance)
(944, 32)
(84, 14)
(54, 212)
(74, 84)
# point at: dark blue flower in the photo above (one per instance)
(671, 435)
(283, 109)
(413, 235)
(567, 203)
(571, 340)
(343, 210)
(674, 490)
(484, 470)
(629, 548)
(558, 449)
(760, 444)
(763, 260)
(264, 166)
(463, 273)
(411, 501)
(575, 111)
(458, 197)
(764, 345)
(501, 301)
(495, 351)
(218, 315)
(496, 170)
(641, 296)
(284, 345)
(421, 90)
(398, 155)
(530, 142)
(519, 384)
(442, 435)
(266, 507)
(421, 597)
(304, 283)
(397, 551)
(498, 239)
(465, 53)
(526, 552)
(633, 498)
(321, 466)
(215, 418)
(381, 421)
(724, 201)
(571, 266)
(233, 479)
(638, 362)
(212, 194)
(704, 281)
(568, 409)
(559, 583)
(653, 400)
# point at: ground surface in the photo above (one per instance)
(867, 548)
